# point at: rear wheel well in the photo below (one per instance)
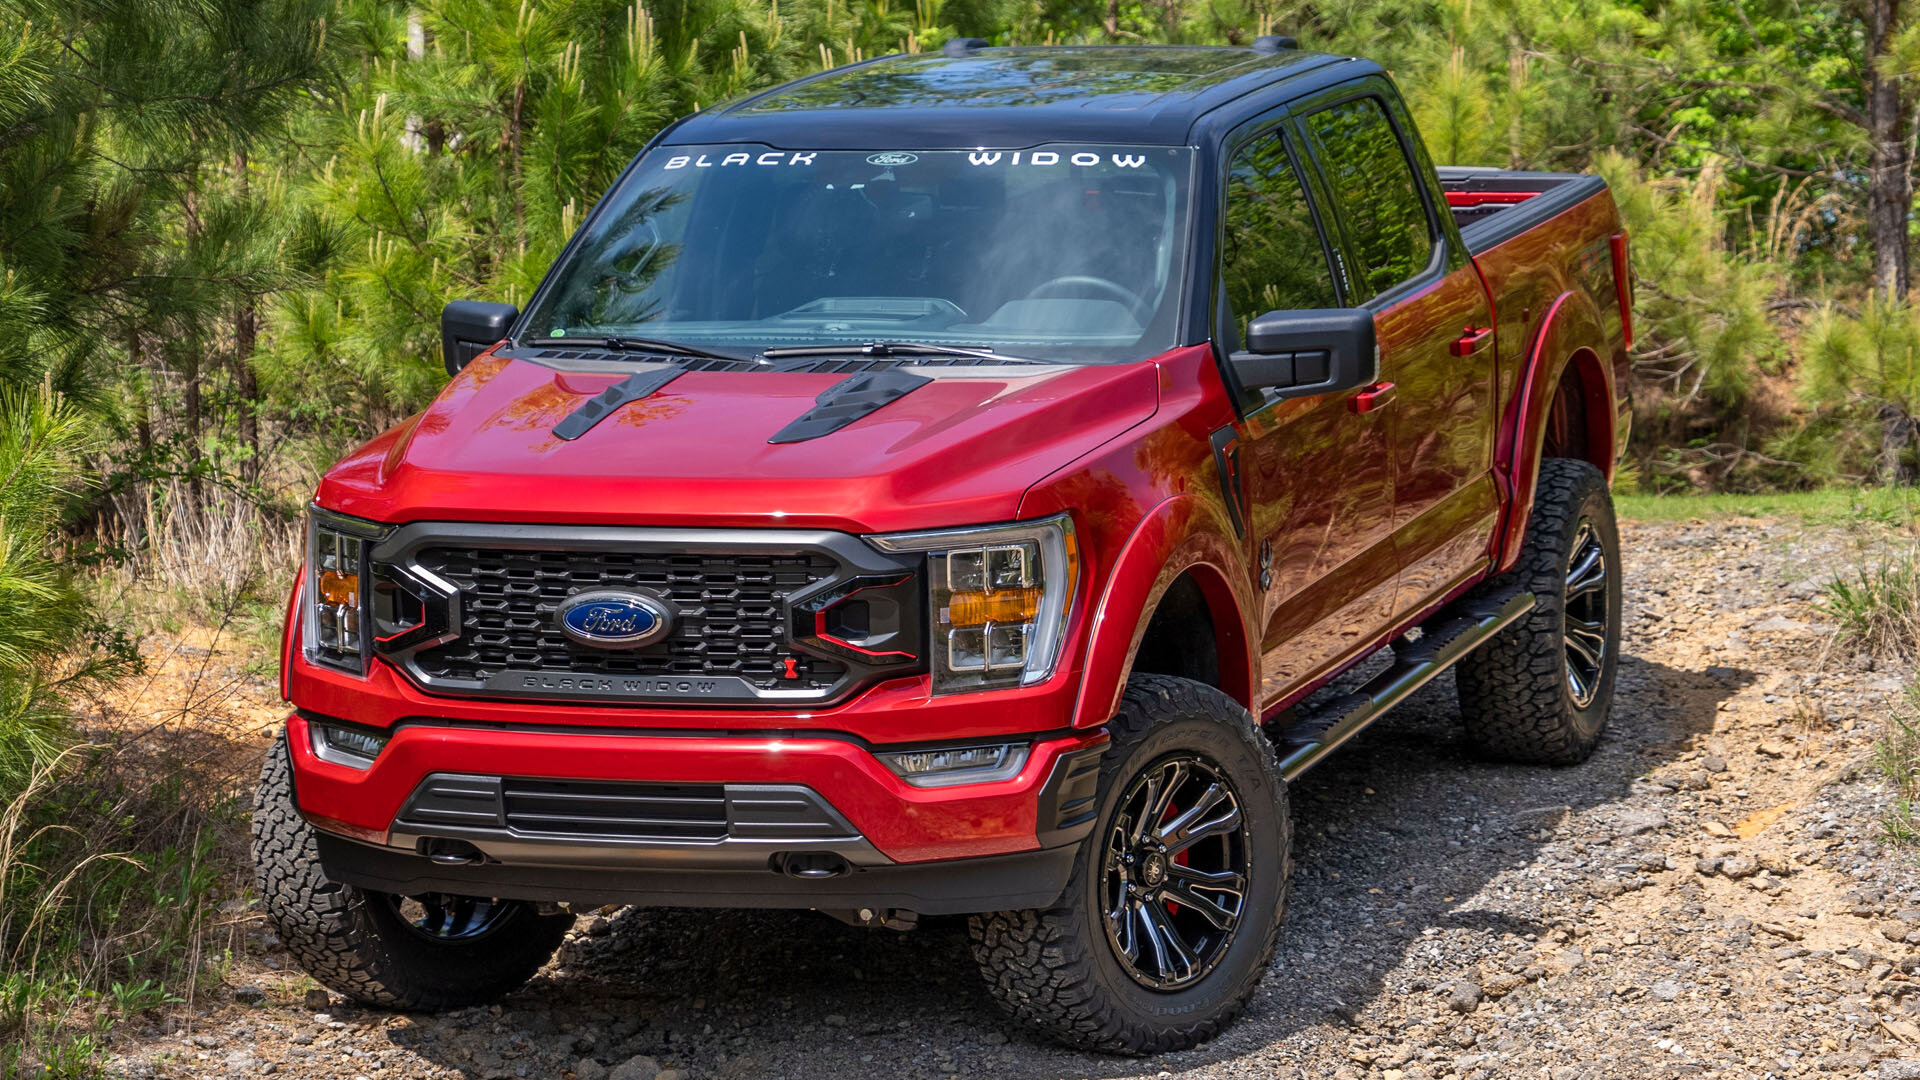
(1179, 639)
(1566, 434)
(1580, 419)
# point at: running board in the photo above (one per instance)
(1451, 634)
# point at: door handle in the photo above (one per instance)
(1470, 342)
(1377, 396)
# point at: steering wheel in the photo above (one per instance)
(1090, 283)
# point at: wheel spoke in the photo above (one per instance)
(1584, 647)
(1588, 570)
(1219, 826)
(1596, 628)
(1122, 920)
(1171, 953)
(1221, 908)
(1577, 683)
(1150, 799)
(1183, 822)
(1175, 777)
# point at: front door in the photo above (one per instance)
(1319, 476)
(1433, 323)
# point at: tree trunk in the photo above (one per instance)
(1113, 19)
(246, 334)
(1896, 439)
(415, 137)
(1889, 162)
(514, 178)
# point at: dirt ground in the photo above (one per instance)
(1713, 893)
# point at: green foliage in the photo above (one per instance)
(1866, 366)
(1878, 610)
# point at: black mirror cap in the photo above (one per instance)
(1302, 353)
(471, 327)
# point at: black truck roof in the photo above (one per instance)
(1011, 97)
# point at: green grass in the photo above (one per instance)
(1834, 505)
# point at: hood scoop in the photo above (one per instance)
(603, 404)
(845, 402)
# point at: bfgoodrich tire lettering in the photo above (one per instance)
(1531, 694)
(1057, 971)
(358, 942)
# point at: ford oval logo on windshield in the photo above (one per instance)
(615, 619)
(895, 157)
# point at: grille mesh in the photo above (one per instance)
(728, 623)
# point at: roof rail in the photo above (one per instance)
(1274, 43)
(963, 46)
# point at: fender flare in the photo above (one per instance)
(1186, 535)
(1571, 335)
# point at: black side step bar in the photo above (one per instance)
(1450, 634)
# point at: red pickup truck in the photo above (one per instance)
(952, 484)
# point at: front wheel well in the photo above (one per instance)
(1179, 639)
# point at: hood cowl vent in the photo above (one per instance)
(847, 401)
(602, 405)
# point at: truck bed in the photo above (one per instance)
(1493, 206)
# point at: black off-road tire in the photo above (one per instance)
(1057, 972)
(1515, 694)
(353, 941)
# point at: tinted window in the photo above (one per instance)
(1374, 186)
(1271, 256)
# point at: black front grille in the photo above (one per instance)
(615, 810)
(729, 623)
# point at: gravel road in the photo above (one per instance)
(1710, 894)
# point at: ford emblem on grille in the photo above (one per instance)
(615, 619)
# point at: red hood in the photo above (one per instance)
(958, 450)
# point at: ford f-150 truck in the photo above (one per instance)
(953, 484)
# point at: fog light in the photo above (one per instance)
(353, 747)
(950, 765)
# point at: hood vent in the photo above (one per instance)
(849, 400)
(602, 405)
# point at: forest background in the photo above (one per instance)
(227, 228)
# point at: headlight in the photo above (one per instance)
(337, 588)
(998, 599)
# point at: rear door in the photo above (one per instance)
(1319, 476)
(1432, 320)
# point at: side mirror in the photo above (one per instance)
(471, 327)
(1302, 353)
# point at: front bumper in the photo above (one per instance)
(820, 801)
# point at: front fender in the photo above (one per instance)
(1184, 534)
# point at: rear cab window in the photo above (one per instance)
(1374, 188)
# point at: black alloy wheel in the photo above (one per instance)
(1176, 872)
(1586, 614)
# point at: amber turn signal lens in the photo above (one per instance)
(340, 589)
(1003, 606)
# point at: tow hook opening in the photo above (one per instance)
(810, 865)
(447, 852)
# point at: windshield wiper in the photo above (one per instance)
(645, 345)
(897, 348)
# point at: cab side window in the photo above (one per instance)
(1374, 187)
(1271, 256)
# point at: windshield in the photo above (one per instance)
(1061, 252)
